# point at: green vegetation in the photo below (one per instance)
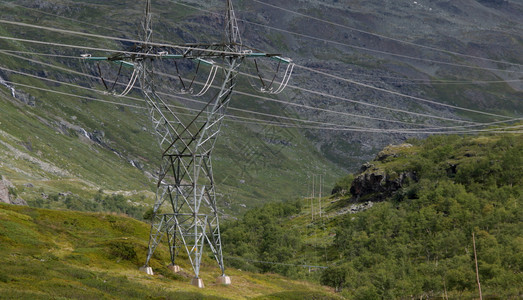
(50, 254)
(259, 235)
(416, 243)
(100, 202)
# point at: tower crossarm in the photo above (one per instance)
(187, 51)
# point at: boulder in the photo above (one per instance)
(19, 201)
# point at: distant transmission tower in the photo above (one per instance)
(185, 209)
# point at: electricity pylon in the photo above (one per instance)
(186, 187)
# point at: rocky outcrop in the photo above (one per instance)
(374, 183)
(391, 151)
(4, 190)
(5, 195)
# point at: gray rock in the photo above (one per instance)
(4, 190)
(19, 201)
(378, 184)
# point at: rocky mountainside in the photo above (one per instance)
(489, 29)
(61, 143)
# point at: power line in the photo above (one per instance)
(238, 92)
(76, 20)
(303, 67)
(299, 66)
(390, 131)
(277, 124)
(41, 54)
(407, 81)
(127, 97)
(369, 104)
(65, 18)
(345, 100)
(357, 47)
(414, 81)
(110, 38)
(386, 37)
(349, 100)
(165, 94)
(65, 45)
(46, 64)
(85, 88)
(380, 51)
(398, 93)
(399, 80)
(100, 36)
(124, 104)
(252, 112)
(168, 45)
(274, 116)
(71, 95)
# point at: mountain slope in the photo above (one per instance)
(98, 145)
(402, 226)
(111, 146)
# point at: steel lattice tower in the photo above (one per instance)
(186, 187)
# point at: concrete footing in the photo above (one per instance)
(174, 268)
(224, 279)
(198, 282)
(147, 270)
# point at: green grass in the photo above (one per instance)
(60, 254)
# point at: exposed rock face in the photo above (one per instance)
(4, 190)
(378, 185)
(5, 197)
(374, 183)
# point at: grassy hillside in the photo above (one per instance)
(50, 254)
(402, 227)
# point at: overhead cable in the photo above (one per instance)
(105, 37)
(338, 98)
(65, 18)
(237, 92)
(286, 125)
(357, 47)
(386, 37)
(183, 98)
(398, 93)
(398, 80)
(299, 66)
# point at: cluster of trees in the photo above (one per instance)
(420, 241)
(100, 202)
(260, 236)
(417, 243)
